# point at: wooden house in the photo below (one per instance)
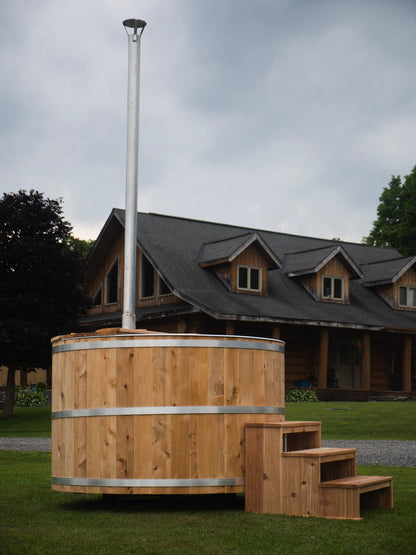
(346, 311)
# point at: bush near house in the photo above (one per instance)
(301, 396)
(31, 399)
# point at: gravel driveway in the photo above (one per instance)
(378, 452)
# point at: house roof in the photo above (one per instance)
(225, 250)
(311, 261)
(176, 246)
(386, 271)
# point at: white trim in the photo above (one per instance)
(407, 305)
(331, 296)
(249, 268)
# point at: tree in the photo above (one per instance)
(81, 246)
(40, 277)
(395, 225)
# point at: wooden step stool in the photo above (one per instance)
(343, 498)
(288, 472)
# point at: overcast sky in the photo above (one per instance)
(286, 115)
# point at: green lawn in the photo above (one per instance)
(33, 422)
(340, 420)
(34, 519)
(370, 420)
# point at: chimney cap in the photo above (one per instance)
(134, 24)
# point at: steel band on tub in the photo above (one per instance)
(146, 343)
(172, 410)
(147, 483)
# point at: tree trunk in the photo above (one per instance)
(10, 389)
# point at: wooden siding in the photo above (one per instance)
(252, 256)
(390, 292)
(379, 377)
(117, 250)
(302, 348)
(409, 278)
(386, 292)
(335, 268)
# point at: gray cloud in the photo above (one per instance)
(283, 114)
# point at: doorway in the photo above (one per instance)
(345, 363)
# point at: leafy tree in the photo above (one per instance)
(40, 276)
(395, 225)
(81, 246)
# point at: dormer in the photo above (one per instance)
(325, 273)
(240, 262)
(394, 280)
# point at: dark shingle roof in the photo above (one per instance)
(308, 262)
(173, 245)
(386, 271)
(225, 250)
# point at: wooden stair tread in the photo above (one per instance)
(357, 481)
(289, 426)
(295, 424)
(320, 452)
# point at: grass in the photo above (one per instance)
(340, 420)
(37, 520)
(353, 420)
(27, 422)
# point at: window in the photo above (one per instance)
(147, 278)
(249, 278)
(407, 296)
(163, 288)
(111, 284)
(97, 299)
(333, 288)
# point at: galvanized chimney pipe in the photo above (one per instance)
(130, 237)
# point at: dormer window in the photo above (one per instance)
(111, 284)
(407, 296)
(333, 288)
(249, 278)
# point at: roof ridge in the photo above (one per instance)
(388, 260)
(261, 230)
(227, 238)
(313, 250)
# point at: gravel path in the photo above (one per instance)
(378, 452)
(23, 444)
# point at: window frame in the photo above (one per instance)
(331, 296)
(249, 269)
(406, 288)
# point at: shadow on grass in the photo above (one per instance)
(158, 503)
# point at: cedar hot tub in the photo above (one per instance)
(153, 413)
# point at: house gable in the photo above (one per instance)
(394, 280)
(325, 273)
(241, 263)
(104, 274)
